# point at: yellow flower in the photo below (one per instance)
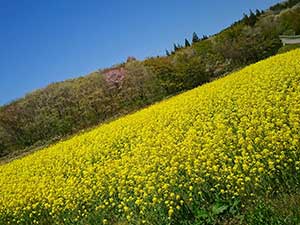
(230, 137)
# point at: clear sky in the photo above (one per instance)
(43, 41)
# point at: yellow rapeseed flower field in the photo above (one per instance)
(235, 138)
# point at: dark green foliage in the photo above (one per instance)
(287, 48)
(54, 111)
(258, 12)
(290, 20)
(140, 86)
(186, 43)
(251, 19)
(175, 47)
(204, 37)
(283, 5)
(243, 45)
(195, 38)
(245, 18)
(263, 215)
(64, 108)
(191, 69)
(282, 209)
(166, 74)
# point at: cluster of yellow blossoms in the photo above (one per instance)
(237, 137)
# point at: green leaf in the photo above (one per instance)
(218, 209)
(202, 214)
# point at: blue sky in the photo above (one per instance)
(44, 41)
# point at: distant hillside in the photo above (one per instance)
(65, 108)
(207, 156)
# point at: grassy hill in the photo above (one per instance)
(202, 157)
(61, 109)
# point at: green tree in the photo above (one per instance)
(164, 70)
(245, 19)
(190, 69)
(252, 19)
(175, 47)
(204, 37)
(140, 85)
(195, 38)
(257, 12)
(187, 43)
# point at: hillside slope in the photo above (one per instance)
(65, 108)
(235, 139)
